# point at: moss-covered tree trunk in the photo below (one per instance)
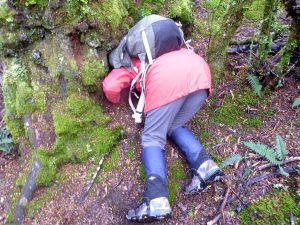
(269, 17)
(217, 52)
(293, 43)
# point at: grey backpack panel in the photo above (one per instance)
(134, 43)
(159, 42)
(119, 56)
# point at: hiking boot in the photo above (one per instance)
(155, 209)
(207, 173)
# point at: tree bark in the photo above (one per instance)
(217, 52)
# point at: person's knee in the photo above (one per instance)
(150, 140)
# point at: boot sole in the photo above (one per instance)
(148, 219)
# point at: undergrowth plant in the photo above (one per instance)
(6, 141)
(296, 102)
(274, 155)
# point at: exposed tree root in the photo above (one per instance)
(27, 192)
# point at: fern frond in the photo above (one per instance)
(255, 84)
(264, 151)
(280, 148)
(231, 160)
(6, 142)
(283, 172)
(296, 102)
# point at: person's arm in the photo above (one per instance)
(116, 81)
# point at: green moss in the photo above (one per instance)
(37, 203)
(14, 197)
(112, 162)
(49, 168)
(256, 10)
(285, 54)
(150, 7)
(75, 116)
(14, 78)
(111, 12)
(176, 174)
(4, 12)
(91, 71)
(274, 208)
(233, 109)
(28, 100)
(142, 173)
(20, 182)
(80, 134)
(130, 154)
(181, 9)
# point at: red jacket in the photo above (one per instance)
(170, 77)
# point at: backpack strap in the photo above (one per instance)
(138, 111)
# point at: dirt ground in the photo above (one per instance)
(121, 189)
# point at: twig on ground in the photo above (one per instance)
(290, 169)
(218, 217)
(289, 160)
(91, 182)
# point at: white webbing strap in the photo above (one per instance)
(132, 86)
(186, 42)
(147, 47)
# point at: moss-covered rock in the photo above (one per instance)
(91, 71)
(182, 10)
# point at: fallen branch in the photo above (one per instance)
(91, 182)
(218, 217)
(290, 169)
(289, 160)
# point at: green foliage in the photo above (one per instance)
(6, 142)
(256, 10)
(14, 76)
(176, 174)
(36, 2)
(275, 208)
(285, 54)
(264, 47)
(255, 84)
(235, 158)
(216, 11)
(5, 14)
(296, 102)
(276, 156)
(91, 71)
(281, 150)
(181, 9)
(264, 151)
